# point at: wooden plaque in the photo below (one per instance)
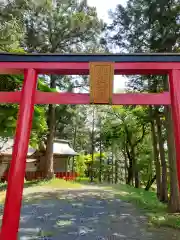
(101, 82)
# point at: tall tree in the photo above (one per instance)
(151, 26)
(62, 27)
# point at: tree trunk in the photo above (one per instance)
(108, 177)
(174, 202)
(74, 145)
(150, 183)
(135, 171)
(116, 169)
(136, 178)
(3, 169)
(125, 166)
(164, 187)
(130, 174)
(92, 146)
(130, 168)
(155, 154)
(50, 136)
(112, 162)
(100, 158)
(100, 151)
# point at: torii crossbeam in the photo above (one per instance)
(34, 64)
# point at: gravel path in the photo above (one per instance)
(86, 214)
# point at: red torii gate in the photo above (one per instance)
(32, 65)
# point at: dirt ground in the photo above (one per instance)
(88, 214)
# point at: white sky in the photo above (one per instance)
(103, 6)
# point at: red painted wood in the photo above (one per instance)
(10, 222)
(81, 68)
(66, 175)
(174, 80)
(141, 99)
(80, 98)
(10, 97)
(11, 71)
(38, 175)
(61, 98)
(29, 97)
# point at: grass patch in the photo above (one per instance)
(156, 211)
(86, 180)
(58, 183)
(44, 235)
(54, 183)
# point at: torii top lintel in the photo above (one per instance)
(76, 64)
(154, 63)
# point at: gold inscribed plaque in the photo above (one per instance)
(101, 82)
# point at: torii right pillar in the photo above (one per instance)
(174, 82)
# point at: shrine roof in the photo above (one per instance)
(60, 147)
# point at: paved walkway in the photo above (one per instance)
(91, 214)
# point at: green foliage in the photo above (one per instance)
(88, 158)
(125, 122)
(80, 165)
(8, 116)
(65, 27)
(139, 22)
(8, 113)
(10, 34)
(83, 162)
(43, 87)
(10, 82)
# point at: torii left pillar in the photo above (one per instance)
(11, 217)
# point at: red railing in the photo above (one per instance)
(40, 175)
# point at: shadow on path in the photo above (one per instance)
(84, 214)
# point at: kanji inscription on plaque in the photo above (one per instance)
(101, 82)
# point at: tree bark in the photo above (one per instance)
(174, 202)
(100, 157)
(74, 145)
(125, 166)
(130, 168)
(116, 169)
(112, 162)
(155, 154)
(92, 145)
(150, 183)
(50, 136)
(137, 181)
(135, 171)
(164, 186)
(3, 169)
